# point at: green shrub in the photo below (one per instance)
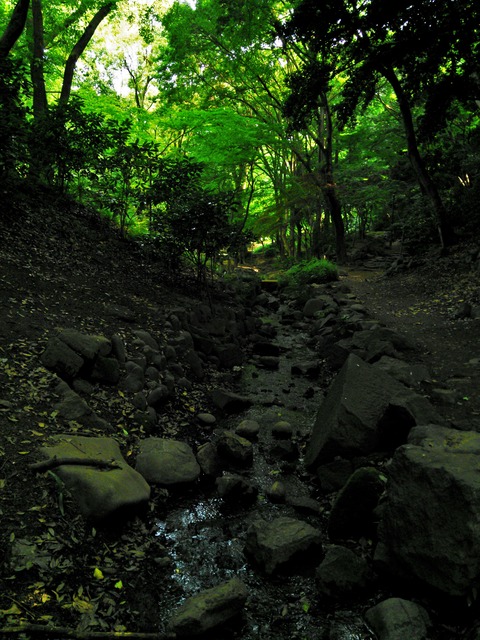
(314, 271)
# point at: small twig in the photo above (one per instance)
(52, 463)
(65, 632)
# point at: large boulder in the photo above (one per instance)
(283, 544)
(167, 462)
(59, 357)
(230, 402)
(365, 410)
(399, 619)
(434, 492)
(88, 346)
(101, 482)
(352, 514)
(343, 574)
(209, 609)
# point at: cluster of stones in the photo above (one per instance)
(421, 509)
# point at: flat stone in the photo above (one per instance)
(398, 619)
(167, 462)
(434, 491)
(100, 493)
(229, 401)
(88, 346)
(283, 544)
(248, 429)
(60, 358)
(235, 448)
(209, 609)
(342, 574)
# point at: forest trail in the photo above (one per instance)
(71, 272)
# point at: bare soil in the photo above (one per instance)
(62, 267)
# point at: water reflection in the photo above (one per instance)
(202, 546)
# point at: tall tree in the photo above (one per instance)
(411, 45)
(79, 47)
(14, 28)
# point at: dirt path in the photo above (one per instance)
(423, 304)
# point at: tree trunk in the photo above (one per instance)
(40, 104)
(445, 229)
(335, 210)
(79, 48)
(14, 27)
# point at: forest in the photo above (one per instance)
(200, 126)
(239, 319)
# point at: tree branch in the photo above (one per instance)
(53, 463)
(14, 28)
(39, 630)
(79, 48)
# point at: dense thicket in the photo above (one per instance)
(298, 122)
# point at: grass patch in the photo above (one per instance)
(314, 271)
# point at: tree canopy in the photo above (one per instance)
(308, 121)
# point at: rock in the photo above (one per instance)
(365, 410)
(248, 429)
(342, 574)
(352, 514)
(283, 544)
(463, 311)
(269, 362)
(146, 338)
(121, 312)
(235, 487)
(135, 378)
(206, 418)
(60, 358)
(192, 359)
(262, 348)
(207, 457)
(118, 349)
(284, 450)
(307, 368)
(209, 609)
(166, 462)
(409, 374)
(158, 397)
(106, 370)
(314, 305)
(203, 343)
(139, 401)
(333, 475)
(229, 355)
(365, 339)
(277, 492)
(87, 346)
(229, 401)
(304, 504)
(235, 449)
(398, 619)
(282, 430)
(445, 396)
(434, 491)
(72, 406)
(101, 493)
(152, 374)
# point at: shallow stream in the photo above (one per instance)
(205, 536)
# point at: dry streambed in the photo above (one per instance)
(274, 512)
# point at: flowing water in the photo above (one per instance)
(205, 535)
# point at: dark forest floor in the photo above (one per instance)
(64, 272)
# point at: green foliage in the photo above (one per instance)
(13, 127)
(315, 271)
(190, 221)
(72, 140)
